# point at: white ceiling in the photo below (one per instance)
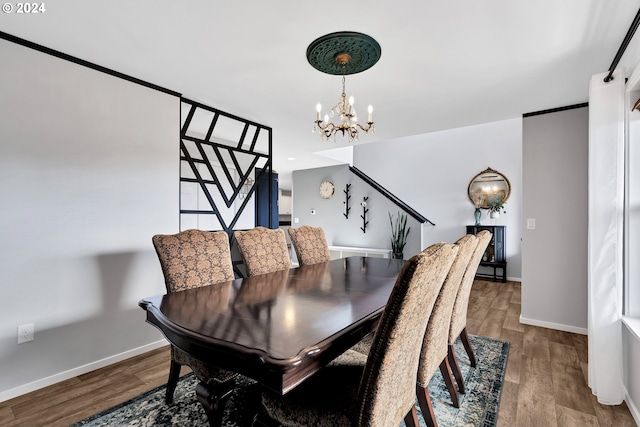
(444, 64)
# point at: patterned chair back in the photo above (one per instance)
(194, 258)
(387, 388)
(263, 250)
(310, 244)
(436, 338)
(459, 313)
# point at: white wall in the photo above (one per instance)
(89, 172)
(632, 206)
(431, 173)
(631, 324)
(341, 231)
(555, 176)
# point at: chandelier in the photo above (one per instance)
(343, 53)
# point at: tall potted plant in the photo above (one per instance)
(399, 233)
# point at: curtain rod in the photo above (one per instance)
(623, 47)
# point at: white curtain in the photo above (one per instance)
(606, 192)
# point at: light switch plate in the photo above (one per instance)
(531, 223)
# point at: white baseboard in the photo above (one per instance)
(632, 407)
(557, 326)
(71, 373)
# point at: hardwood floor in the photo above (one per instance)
(545, 382)
(546, 378)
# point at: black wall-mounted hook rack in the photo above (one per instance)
(364, 214)
(347, 196)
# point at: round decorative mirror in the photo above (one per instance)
(488, 187)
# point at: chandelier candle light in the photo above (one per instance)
(348, 124)
(343, 53)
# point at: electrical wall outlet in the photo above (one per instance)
(25, 333)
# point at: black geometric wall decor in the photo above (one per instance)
(219, 153)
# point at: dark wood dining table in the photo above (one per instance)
(278, 328)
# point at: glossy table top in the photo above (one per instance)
(278, 328)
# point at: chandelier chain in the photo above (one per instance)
(348, 124)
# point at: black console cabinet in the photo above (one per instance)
(495, 254)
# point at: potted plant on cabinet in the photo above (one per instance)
(399, 233)
(495, 208)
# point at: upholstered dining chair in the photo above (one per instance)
(381, 391)
(310, 244)
(263, 250)
(458, 326)
(433, 354)
(192, 259)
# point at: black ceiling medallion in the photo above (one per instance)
(324, 53)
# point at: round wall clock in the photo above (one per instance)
(326, 189)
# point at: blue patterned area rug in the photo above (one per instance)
(478, 406)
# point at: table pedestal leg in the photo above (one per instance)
(213, 398)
